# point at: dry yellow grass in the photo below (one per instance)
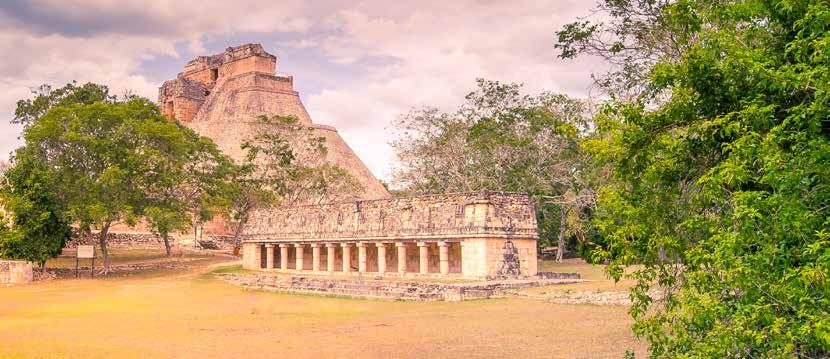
(594, 275)
(188, 314)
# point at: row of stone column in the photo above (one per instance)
(443, 255)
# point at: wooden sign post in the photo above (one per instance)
(85, 252)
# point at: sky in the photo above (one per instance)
(357, 65)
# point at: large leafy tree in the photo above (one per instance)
(114, 160)
(500, 139)
(721, 175)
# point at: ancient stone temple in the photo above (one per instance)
(219, 96)
(471, 235)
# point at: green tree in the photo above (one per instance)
(721, 177)
(499, 140)
(113, 161)
(34, 228)
(188, 189)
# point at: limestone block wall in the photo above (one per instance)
(484, 257)
(15, 272)
(251, 256)
(439, 216)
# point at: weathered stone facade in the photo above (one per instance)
(471, 235)
(15, 272)
(220, 96)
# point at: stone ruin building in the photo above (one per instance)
(463, 234)
(459, 234)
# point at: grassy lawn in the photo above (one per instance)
(184, 313)
(121, 256)
(596, 279)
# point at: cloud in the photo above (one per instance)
(438, 50)
(367, 61)
(58, 41)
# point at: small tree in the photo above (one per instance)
(31, 224)
(187, 191)
(285, 164)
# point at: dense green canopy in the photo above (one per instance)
(720, 163)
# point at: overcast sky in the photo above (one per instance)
(357, 64)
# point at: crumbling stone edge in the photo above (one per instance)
(383, 289)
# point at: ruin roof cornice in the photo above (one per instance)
(481, 194)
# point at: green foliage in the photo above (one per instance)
(285, 164)
(721, 183)
(29, 110)
(35, 229)
(499, 140)
(111, 160)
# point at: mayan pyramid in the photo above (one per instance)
(219, 96)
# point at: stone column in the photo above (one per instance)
(347, 257)
(269, 256)
(381, 257)
(423, 251)
(401, 257)
(299, 249)
(284, 256)
(444, 257)
(315, 257)
(330, 256)
(361, 257)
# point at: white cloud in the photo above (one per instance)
(437, 50)
(414, 54)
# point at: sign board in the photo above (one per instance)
(86, 252)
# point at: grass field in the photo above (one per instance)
(187, 313)
(596, 279)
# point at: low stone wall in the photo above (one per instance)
(118, 240)
(15, 272)
(138, 240)
(380, 289)
(555, 275)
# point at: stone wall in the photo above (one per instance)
(382, 289)
(145, 240)
(118, 240)
(485, 257)
(15, 272)
(484, 214)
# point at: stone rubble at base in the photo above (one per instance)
(384, 289)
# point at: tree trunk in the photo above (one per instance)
(560, 244)
(102, 241)
(166, 243)
(238, 233)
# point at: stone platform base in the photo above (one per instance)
(15, 272)
(383, 289)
